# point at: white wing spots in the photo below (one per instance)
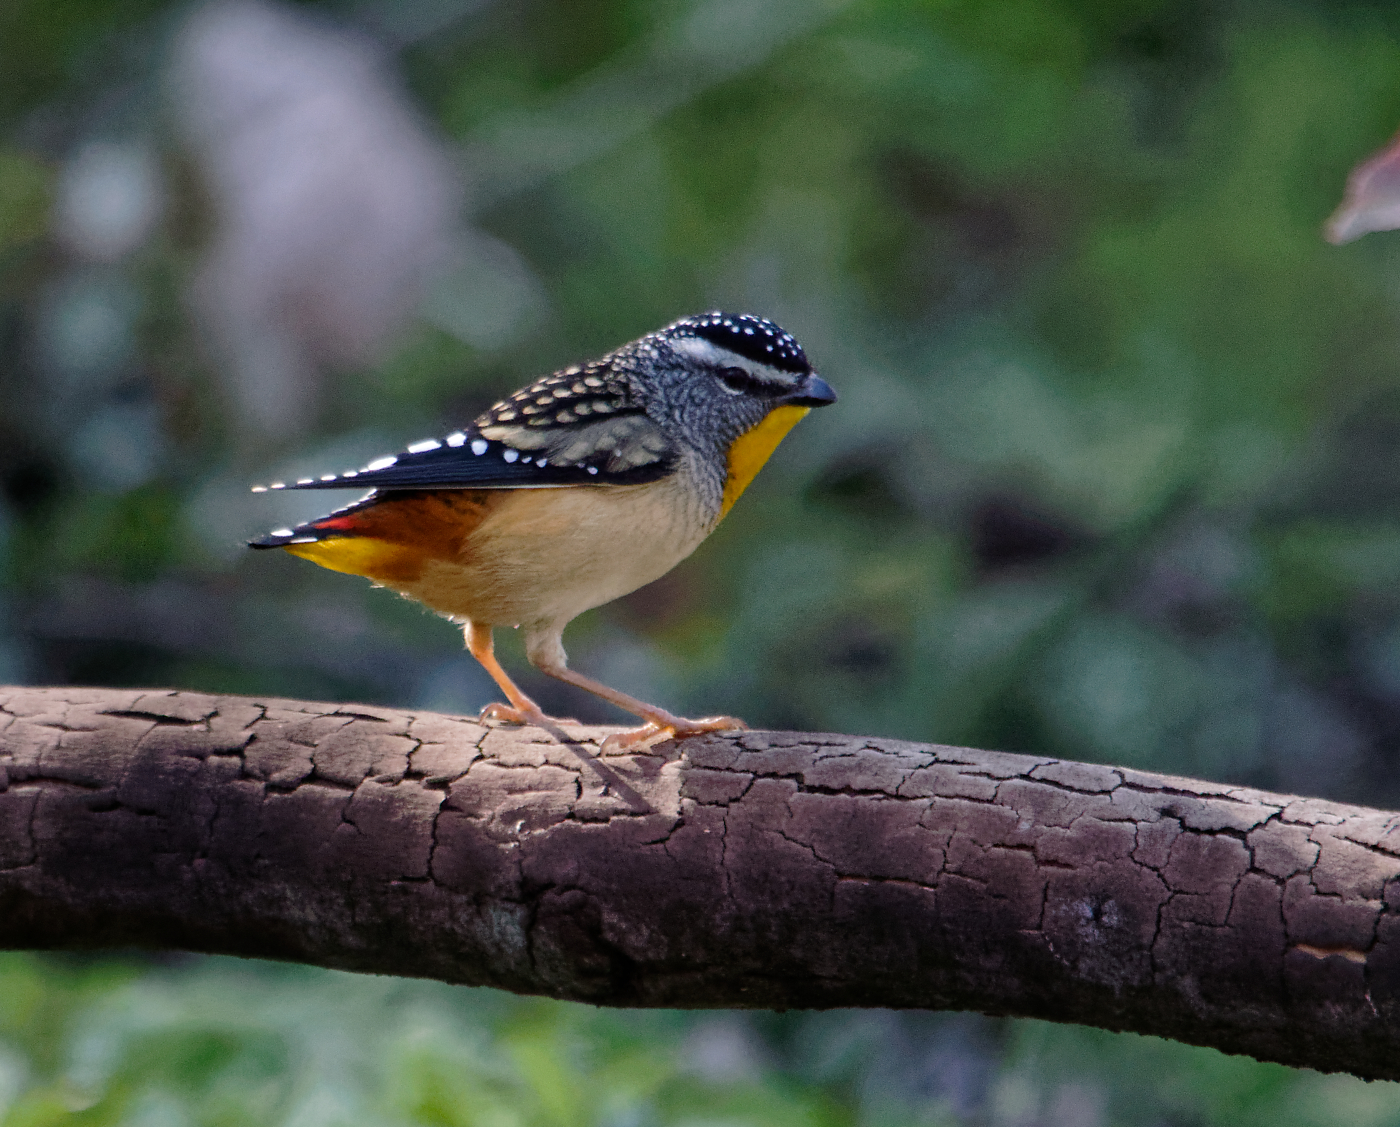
(541, 462)
(479, 446)
(510, 455)
(278, 485)
(565, 398)
(282, 532)
(456, 438)
(328, 477)
(303, 481)
(382, 463)
(351, 473)
(424, 446)
(593, 469)
(302, 540)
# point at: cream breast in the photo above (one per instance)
(550, 554)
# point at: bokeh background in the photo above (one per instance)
(1114, 474)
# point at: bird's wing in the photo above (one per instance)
(617, 449)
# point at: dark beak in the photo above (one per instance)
(813, 391)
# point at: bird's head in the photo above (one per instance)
(728, 385)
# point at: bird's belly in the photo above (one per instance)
(547, 555)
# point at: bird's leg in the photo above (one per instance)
(521, 710)
(546, 653)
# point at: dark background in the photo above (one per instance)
(1113, 475)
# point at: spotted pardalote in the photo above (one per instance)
(573, 491)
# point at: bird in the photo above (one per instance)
(575, 490)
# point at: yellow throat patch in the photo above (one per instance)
(752, 448)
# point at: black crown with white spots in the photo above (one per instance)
(754, 338)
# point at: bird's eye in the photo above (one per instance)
(736, 381)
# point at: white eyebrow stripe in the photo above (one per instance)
(703, 350)
(707, 352)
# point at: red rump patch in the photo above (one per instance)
(335, 524)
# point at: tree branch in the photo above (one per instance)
(768, 869)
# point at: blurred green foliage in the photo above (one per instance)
(219, 1042)
(1113, 477)
(23, 200)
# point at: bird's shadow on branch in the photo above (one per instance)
(648, 763)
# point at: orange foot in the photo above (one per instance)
(667, 727)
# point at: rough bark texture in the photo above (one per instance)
(767, 869)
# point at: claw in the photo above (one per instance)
(643, 739)
(709, 724)
(504, 714)
(638, 740)
(497, 713)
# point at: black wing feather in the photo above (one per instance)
(496, 466)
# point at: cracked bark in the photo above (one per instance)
(767, 869)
